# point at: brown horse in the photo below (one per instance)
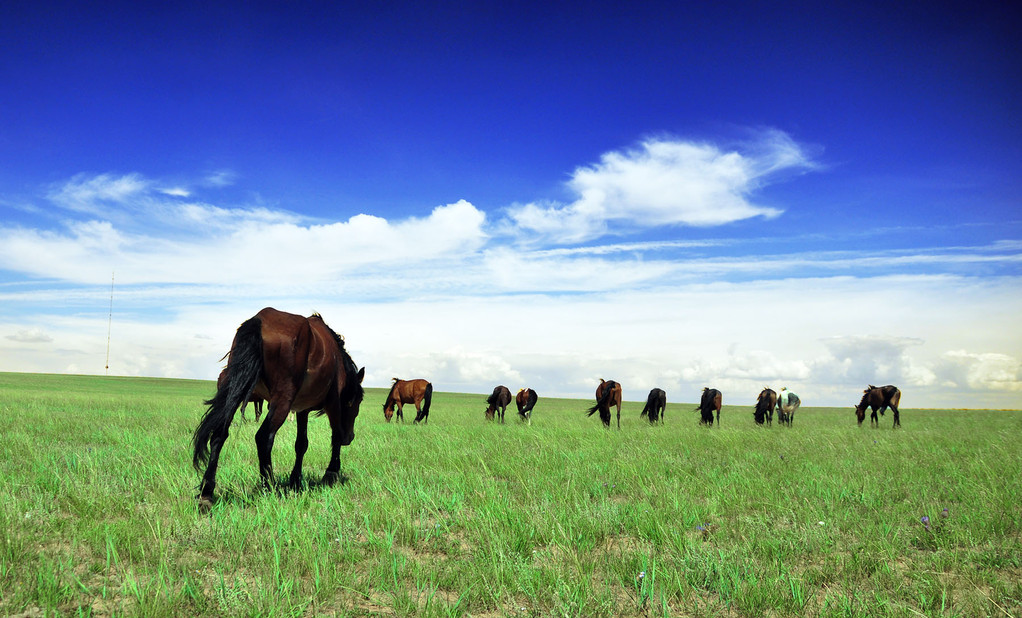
(879, 398)
(498, 402)
(608, 394)
(526, 401)
(257, 401)
(656, 406)
(711, 401)
(294, 363)
(765, 404)
(418, 392)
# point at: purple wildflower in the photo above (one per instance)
(926, 522)
(945, 514)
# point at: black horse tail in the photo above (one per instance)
(243, 371)
(427, 398)
(607, 388)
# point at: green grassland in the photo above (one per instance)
(464, 517)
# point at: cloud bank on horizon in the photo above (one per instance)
(549, 294)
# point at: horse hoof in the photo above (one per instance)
(330, 478)
(205, 504)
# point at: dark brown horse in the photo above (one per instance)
(498, 402)
(294, 363)
(656, 406)
(256, 400)
(526, 401)
(418, 392)
(765, 404)
(710, 402)
(608, 394)
(879, 398)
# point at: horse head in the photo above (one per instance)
(351, 397)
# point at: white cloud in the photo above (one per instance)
(30, 335)
(676, 314)
(664, 182)
(986, 371)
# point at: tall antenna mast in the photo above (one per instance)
(109, 323)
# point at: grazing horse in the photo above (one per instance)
(608, 394)
(526, 401)
(710, 402)
(765, 404)
(294, 363)
(257, 401)
(409, 391)
(879, 398)
(656, 406)
(787, 403)
(498, 402)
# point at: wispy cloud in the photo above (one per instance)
(664, 182)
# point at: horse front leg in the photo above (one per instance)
(301, 445)
(333, 469)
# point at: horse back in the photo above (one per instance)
(299, 354)
(411, 391)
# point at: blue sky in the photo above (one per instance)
(732, 195)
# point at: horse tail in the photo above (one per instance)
(607, 388)
(244, 368)
(427, 398)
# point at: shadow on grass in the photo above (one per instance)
(311, 482)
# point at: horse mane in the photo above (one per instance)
(391, 393)
(352, 390)
(865, 400)
(492, 399)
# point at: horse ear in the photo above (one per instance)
(361, 374)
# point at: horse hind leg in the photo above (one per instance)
(279, 408)
(208, 483)
(897, 416)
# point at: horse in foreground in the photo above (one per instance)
(608, 394)
(656, 406)
(787, 403)
(879, 398)
(711, 401)
(294, 363)
(418, 392)
(256, 400)
(526, 401)
(765, 404)
(498, 402)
